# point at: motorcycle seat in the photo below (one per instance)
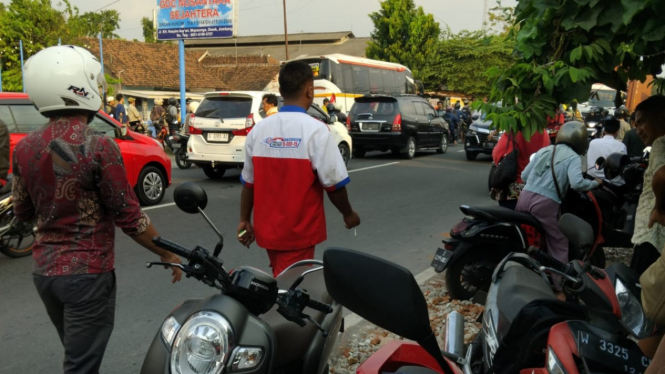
(497, 213)
(293, 341)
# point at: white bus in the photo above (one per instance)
(342, 78)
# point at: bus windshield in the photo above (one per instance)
(320, 68)
(604, 98)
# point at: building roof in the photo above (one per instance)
(156, 66)
(312, 44)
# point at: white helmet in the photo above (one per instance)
(65, 78)
(193, 106)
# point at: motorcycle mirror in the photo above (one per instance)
(189, 197)
(600, 163)
(382, 292)
(578, 232)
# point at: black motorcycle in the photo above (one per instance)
(256, 324)
(488, 233)
(178, 144)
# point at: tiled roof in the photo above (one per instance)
(156, 65)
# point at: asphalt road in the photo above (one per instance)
(405, 207)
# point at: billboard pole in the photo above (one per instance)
(286, 35)
(183, 105)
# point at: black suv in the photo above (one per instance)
(402, 124)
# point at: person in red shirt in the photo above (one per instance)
(72, 182)
(290, 159)
(508, 198)
(553, 124)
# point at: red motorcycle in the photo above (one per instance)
(526, 329)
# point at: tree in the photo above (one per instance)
(92, 23)
(148, 30)
(564, 46)
(403, 34)
(460, 61)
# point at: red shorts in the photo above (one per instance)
(280, 259)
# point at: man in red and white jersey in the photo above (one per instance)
(290, 159)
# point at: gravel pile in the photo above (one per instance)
(618, 255)
(360, 341)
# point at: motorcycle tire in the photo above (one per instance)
(472, 272)
(181, 159)
(18, 244)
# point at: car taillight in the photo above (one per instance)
(397, 123)
(250, 121)
(242, 132)
(195, 131)
(348, 123)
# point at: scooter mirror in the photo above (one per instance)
(189, 197)
(380, 291)
(600, 163)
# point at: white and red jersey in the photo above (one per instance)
(290, 158)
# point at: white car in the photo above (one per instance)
(222, 121)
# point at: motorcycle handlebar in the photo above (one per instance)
(545, 260)
(172, 247)
(321, 307)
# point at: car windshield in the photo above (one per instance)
(375, 109)
(224, 107)
(604, 98)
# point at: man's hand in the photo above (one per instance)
(352, 220)
(657, 216)
(247, 230)
(600, 181)
(172, 258)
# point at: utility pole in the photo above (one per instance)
(485, 11)
(286, 35)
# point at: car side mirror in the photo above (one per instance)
(190, 197)
(600, 163)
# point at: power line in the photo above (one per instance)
(106, 6)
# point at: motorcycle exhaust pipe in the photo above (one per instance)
(454, 334)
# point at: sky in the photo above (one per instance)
(261, 17)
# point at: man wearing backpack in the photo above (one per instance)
(171, 116)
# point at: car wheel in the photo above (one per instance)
(214, 173)
(359, 153)
(443, 147)
(471, 156)
(410, 150)
(344, 151)
(151, 186)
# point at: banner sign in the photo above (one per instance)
(196, 19)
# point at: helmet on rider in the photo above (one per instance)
(621, 112)
(574, 134)
(458, 105)
(172, 101)
(75, 83)
(193, 106)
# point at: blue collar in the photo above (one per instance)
(292, 108)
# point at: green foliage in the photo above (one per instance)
(403, 34)
(39, 25)
(110, 81)
(460, 61)
(148, 30)
(564, 46)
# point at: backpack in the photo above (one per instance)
(168, 116)
(505, 172)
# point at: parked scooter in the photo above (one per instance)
(16, 238)
(257, 324)
(488, 233)
(525, 327)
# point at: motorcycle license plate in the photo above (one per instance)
(176, 145)
(441, 259)
(218, 137)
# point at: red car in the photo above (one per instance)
(148, 167)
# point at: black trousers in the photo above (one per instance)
(644, 255)
(82, 309)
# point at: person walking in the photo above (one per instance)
(71, 181)
(171, 116)
(634, 145)
(290, 159)
(542, 194)
(650, 123)
(110, 106)
(269, 104)
(135, 121)
(622, 114)
(508, 197)
(120, 112)
(453, 122)
(157, 117)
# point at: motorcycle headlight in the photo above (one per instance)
(554, 366)
(591, 124)
(202, 345)
(632, 314)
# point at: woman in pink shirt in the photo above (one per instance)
(507, 198)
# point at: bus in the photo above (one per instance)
(342, 78)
